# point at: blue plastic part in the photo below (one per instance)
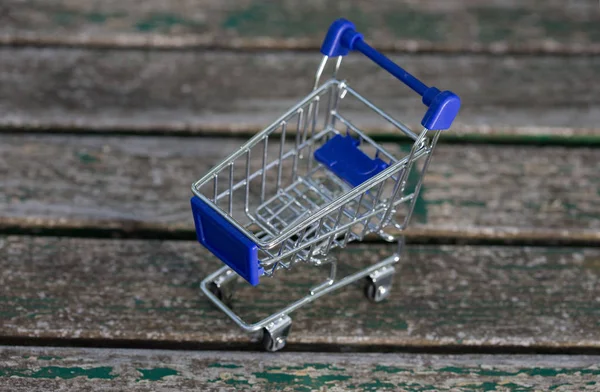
(342, 37)
(332, 45)
(343, 157)
(225, 241)
(442, 111)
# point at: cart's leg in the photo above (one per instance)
(276, 332)
(223, 286)
(379, 282)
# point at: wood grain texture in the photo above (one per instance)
(62, 369)
(448, 296)
(231, 92)
(556, 26)
(133, 183)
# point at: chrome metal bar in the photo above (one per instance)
(333, 233)
(353, 219)
(281, 145)
(247, 196)
(317, 232)
(320, 71)
(231, 188)
(375, 203)
(215, 200)
(401, 182)
(296, 151)
(417, 190)
(250, 328)
(264, 171)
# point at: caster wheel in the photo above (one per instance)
(377, 291)
(275, 334)
(271, 343)
(224, 294)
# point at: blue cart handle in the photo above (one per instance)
(443, 105)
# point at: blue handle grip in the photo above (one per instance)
(443, 105)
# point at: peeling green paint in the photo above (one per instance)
(301, 379)
(237, 381)
(376, 385)
(48, 357)
(68, 17)
(484, 386)
(224, 365)
(454, 369)
(542, 372)
(317, 366)
(156, 374)
(65, 373)
(166, 22)
(302, 389)
(84, 157)
(390, 369)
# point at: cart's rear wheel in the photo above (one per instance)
(379, 284)
(223, 293)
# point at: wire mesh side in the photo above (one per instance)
(369, 212)
(244, 184)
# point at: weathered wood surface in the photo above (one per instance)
(68, 369)
(448, 296)
(474, 25)
(137, 184)
(199, 92)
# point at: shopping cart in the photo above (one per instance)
(312, 182)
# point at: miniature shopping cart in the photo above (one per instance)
(312, 182)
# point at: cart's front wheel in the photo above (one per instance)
(271, 343)
(276, 332)
(376, 293)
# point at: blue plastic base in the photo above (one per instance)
(343, 157)
(225, 241)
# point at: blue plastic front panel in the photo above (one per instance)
(343, 157)
(225, 241)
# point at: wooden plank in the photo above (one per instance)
(70, 369)
(141, 184)
(444, 296)
(224, 92)
(555, 26)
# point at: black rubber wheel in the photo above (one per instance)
(223, 295)
(371, 292)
